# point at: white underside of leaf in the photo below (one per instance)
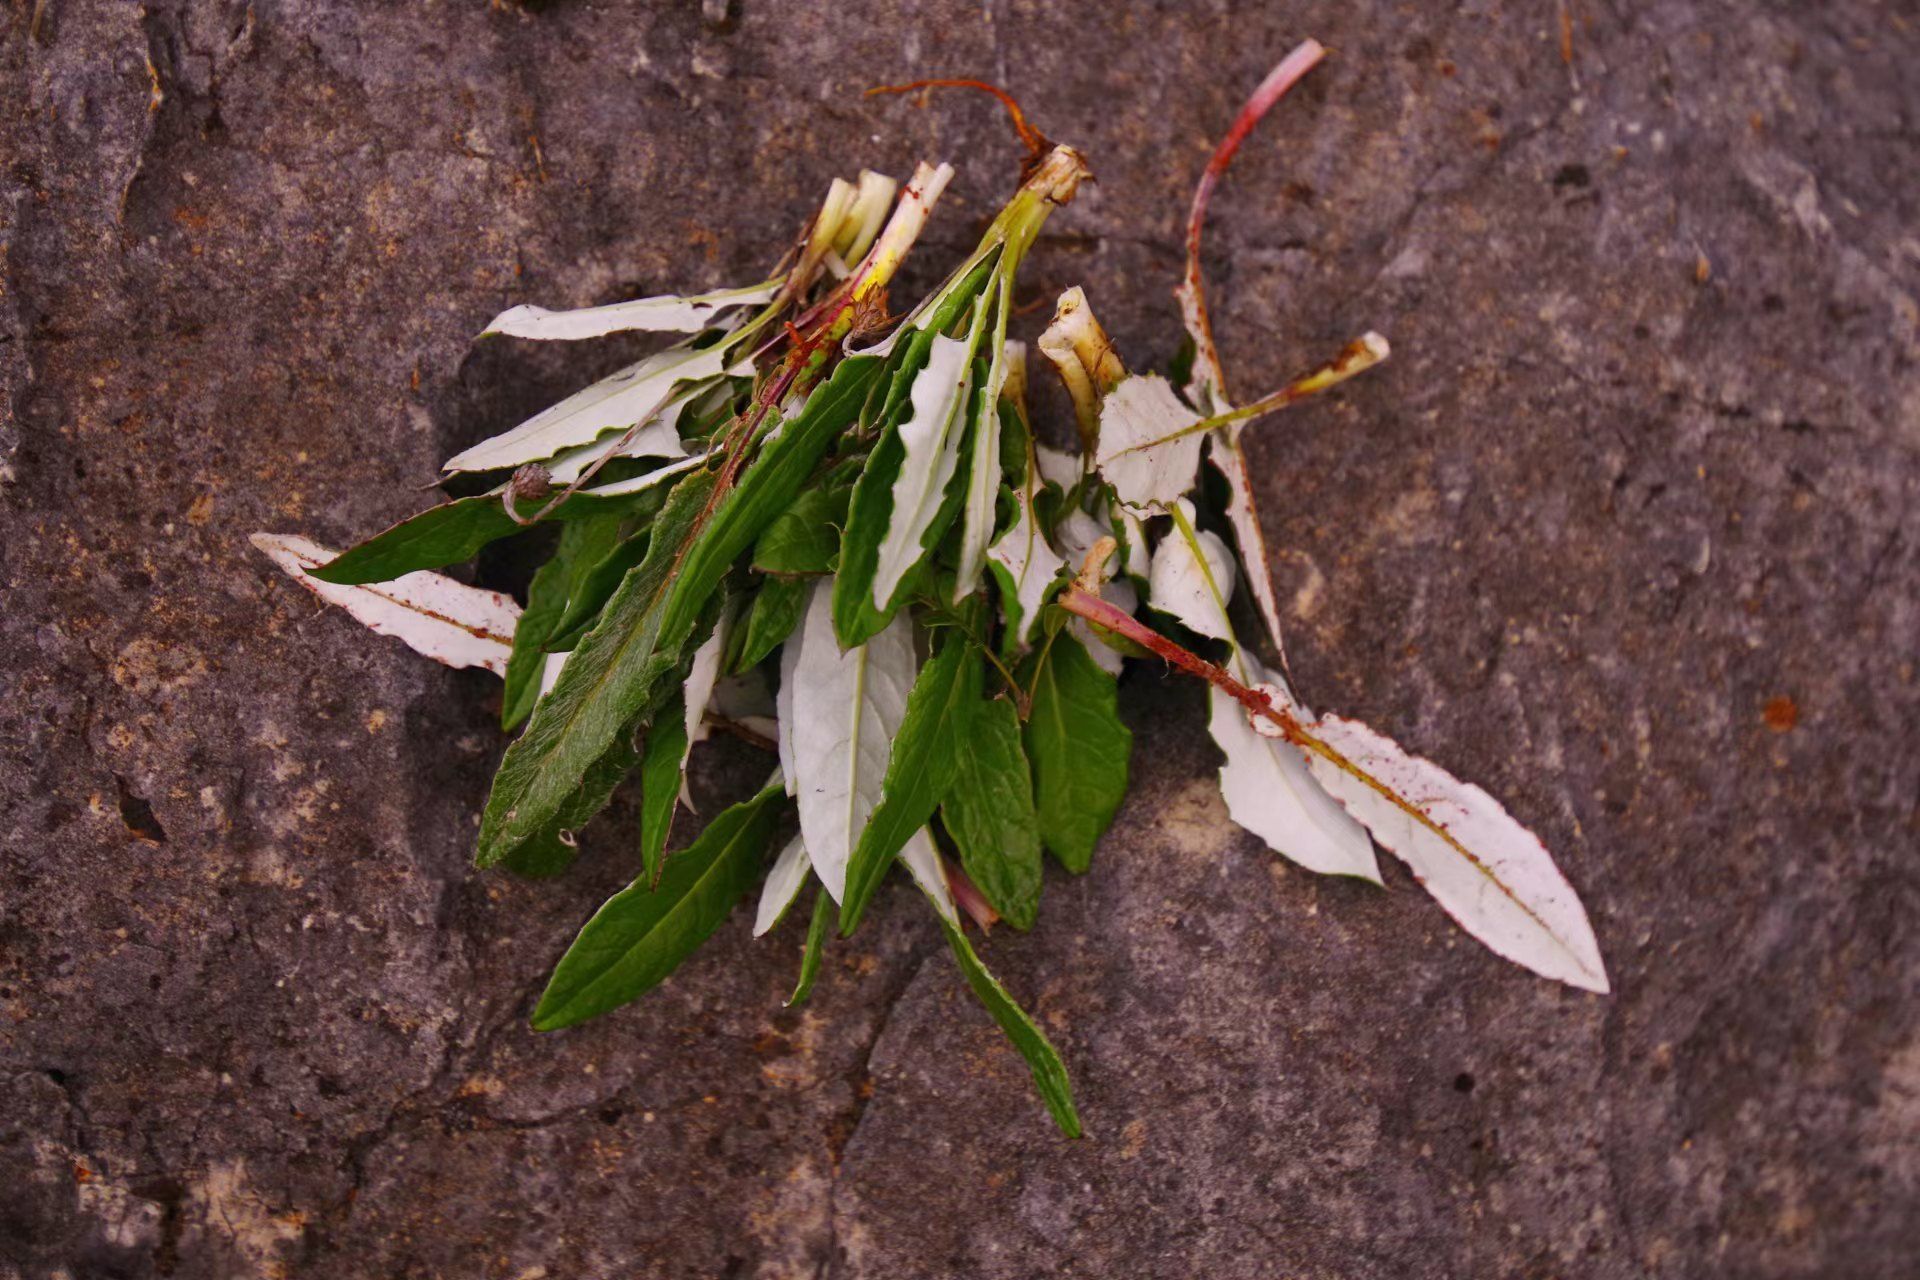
(1181, 585)
(1223, 447)
(1491, 874)
(1078, 533)
(846, 709)
(1265, 781)
(634, 394)
(1059, 467)
(647, 481)
(782, 886)
(701, 674)
(923, 861)
(783, 704)
(1271, 791)
(930, 438)
(447, 621)
(983, 484)
(1141, 409)
(663, 314)
(1027, 564)
(659, 438)
(550, 671)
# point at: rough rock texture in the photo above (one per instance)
(1624, 532)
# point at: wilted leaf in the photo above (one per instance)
(447, 621)
(665, 313)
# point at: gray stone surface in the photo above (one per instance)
(1643, 466)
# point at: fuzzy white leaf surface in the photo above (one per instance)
(930, 438)
(448, 621)
(1139, 411)
(1223, 448)
(983, 477)
(1265, 781)
(1191, 577)
(846, 709)
(782, 886)
(666, 313)
(635, 394)
(1491, 874)
(1271, 790)
(1026, 565)
(924, 864)
(647, 481)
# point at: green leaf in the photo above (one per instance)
(593, 586)
(870, 514)
(615, 673)
(806, 537)
(776, 612)
(456, 531)
(1079, 750)
(816, 943)
(551, 851)
(660, 772)
(608, 683)
(639, 936)
(546, 601)
(1049, 1073)
(920, 769)
(990, 815)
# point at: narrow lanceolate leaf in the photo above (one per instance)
(546, 603)
(664, 314)
(782, 886)
(456, 531)
(1491, 874)
(806, 537)
(615, 674)
(1223, 448)
(1025, 567)
(1043, 1060)
(1270, 790)
(633, 395)
(1265, 781)
(1136, 414)
(594, 585)
(816, 944)
(641, 935)
(920, 768)
(930, 452)
(662, 765)
(776, 611)
(921, 857)
(977, 510)
(900, 505)
(611, 680)
(447, 621)
(1079, 533)
(841, 717)
(1079, 751)
(990, 815)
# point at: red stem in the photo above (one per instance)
(1076, 599)
(1271, 90)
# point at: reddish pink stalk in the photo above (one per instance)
(1192, 292)
(1077, 599)
(967, 896)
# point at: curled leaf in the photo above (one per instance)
(448, 621)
